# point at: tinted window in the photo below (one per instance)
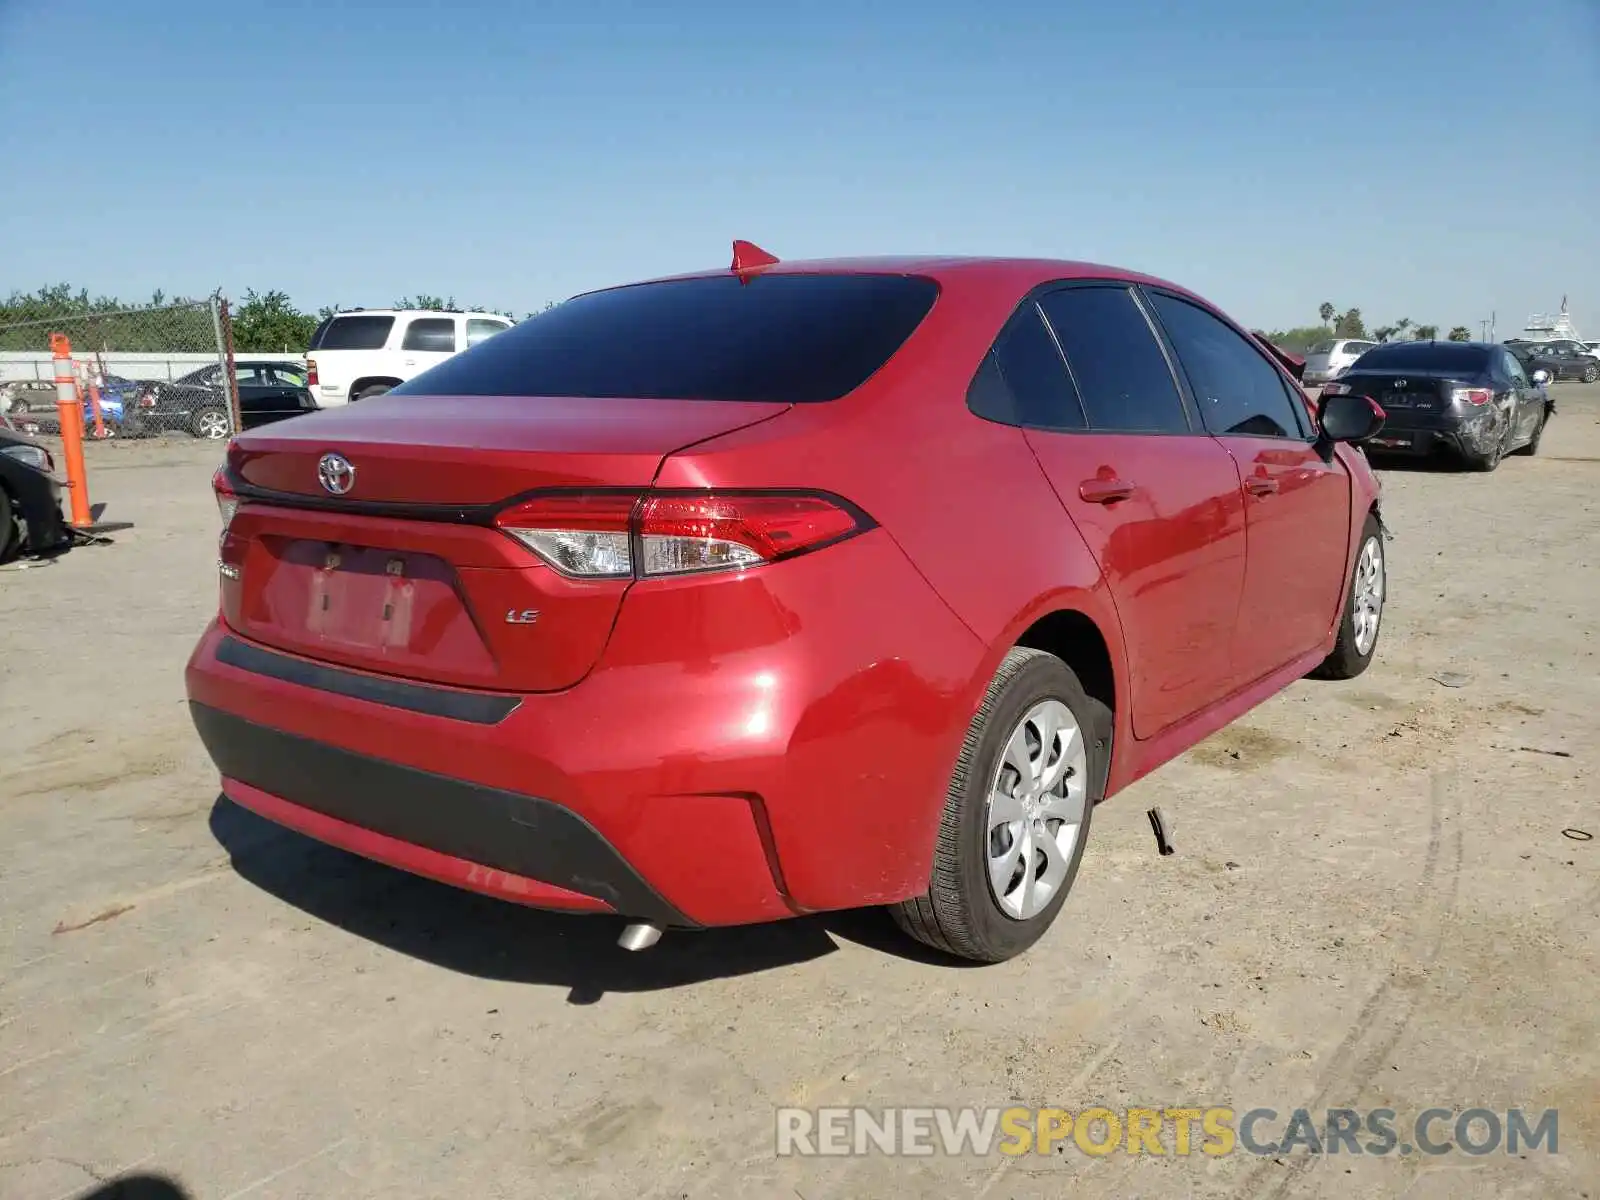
(792, 339)
(1023, 381)
(431, 333)
(250, 375)
(353, 333)
(1513, 368)
(480, 330)
(1238, 390)
(285, 376)
(1426, 356)
(1121, 373)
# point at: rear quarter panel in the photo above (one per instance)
(963, 497)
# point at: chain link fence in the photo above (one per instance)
(147, 372)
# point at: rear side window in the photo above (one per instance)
(789, 339)
(1426, 356)
(1121, 373)
(353, 333)
(1239, 392)
(480, 329)
(431, 333)
(1023, 380)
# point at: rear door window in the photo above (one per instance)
(1023, 381)
(790, 339)
(1238, 391)
(1118, 366)
(354, 333)
(436, 334)
(481, 329)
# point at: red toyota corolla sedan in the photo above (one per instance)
(784, 588)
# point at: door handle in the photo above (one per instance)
(1104, 491)
(1260, 485)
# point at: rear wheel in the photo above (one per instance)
(1490, 459)
(1363, 609)
(368, 393)
(1016, 814)
(1538, 433)
(212, 424)
(10, 529)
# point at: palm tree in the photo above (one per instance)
(1326, 312)
(1384, 332)
(1427, 333)
(1400, 326)
(1461, 334)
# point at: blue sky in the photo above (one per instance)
(1434, 159)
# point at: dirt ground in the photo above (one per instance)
(1372, 904)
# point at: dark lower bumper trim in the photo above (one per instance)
(508, 831)
(480, 708)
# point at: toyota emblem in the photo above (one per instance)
(336, 473)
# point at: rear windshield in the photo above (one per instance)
(1322, 348)
(1356, 347)
(792, 339)
(1425, 356)
(353, 333)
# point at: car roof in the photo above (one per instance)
(1018, 274)
(417, 312)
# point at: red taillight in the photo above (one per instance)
(227, 498)
(311, 372)
(609, 535)
(1473, 396)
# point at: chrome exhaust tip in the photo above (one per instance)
(639, 936)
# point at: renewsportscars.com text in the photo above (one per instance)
(1177, 1131)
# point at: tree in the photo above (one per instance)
(1326, 312)
(1460, 333)
(1384, 332)
(1427, 333)
(1351, 325)
(1401, 326)
(270, 324)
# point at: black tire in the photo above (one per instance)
(959, 913)
(1538, 434)
(1590, 374)
(1347, 661)
(210, 424)
(10, 529)
(367, 393)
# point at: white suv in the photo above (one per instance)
(367, 351)
(1328, 359)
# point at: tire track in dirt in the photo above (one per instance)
(1386, 1014)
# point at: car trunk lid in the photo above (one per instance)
(403, 572)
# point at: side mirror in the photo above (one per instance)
(1346, 418)
(1541, 376)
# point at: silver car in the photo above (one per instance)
(1329, 360)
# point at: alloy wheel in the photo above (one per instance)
(1036, 809)
(1369, 589)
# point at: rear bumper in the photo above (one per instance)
(746, 749)
(1405, 433)
(518, 847)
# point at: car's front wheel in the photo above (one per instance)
(1016, 815)
(1590, 374)
(1363, 609)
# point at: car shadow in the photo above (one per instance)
(141, 1186)
(495, 939)
(1411, 464)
